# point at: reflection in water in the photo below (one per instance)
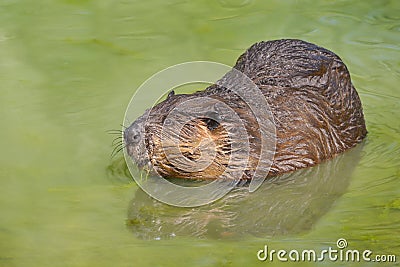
(287, 204)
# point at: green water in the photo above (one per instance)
(67, 72)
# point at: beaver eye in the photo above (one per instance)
(211, 124)
(136, 137)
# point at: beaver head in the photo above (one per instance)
(177, 139)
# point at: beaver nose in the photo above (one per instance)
(131, 136)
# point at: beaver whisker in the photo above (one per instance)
(117, 140)
(114, 131)
(119, 144)
(117, 149)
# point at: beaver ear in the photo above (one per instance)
(171, 94)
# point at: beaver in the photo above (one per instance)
(316, 111)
